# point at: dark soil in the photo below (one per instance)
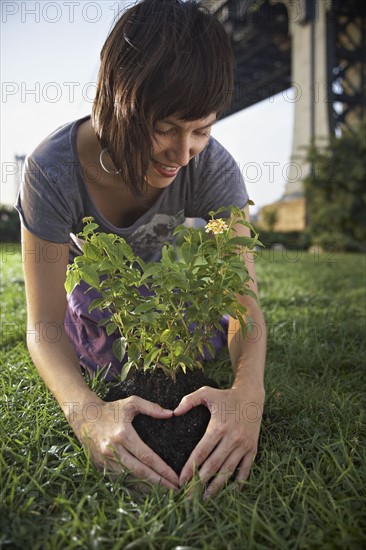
(175, 438)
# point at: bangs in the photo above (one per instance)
(192, 91)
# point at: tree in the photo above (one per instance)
(9, 224)
(335, 192)
(270, 218)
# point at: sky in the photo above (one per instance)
(49, 63)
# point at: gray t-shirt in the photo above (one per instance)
(54, 198)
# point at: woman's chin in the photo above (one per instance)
(157, 181)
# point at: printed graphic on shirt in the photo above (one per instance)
(151, 236)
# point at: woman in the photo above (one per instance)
(139, 165)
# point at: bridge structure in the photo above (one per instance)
(317, 47)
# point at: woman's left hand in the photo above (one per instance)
(231, 439)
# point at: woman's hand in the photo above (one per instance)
(105, 430)
(231, 439)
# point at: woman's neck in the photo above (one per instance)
(109, 193)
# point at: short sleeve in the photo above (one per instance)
(220, 182)
(41, 203)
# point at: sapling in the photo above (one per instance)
(166, 313)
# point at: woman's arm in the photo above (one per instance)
(111, 440)
(248, 351)
(231, 439)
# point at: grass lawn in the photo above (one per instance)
(307, 488)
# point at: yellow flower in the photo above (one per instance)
(216, 226)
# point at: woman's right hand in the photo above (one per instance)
(105, 430)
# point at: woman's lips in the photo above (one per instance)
(165, 171)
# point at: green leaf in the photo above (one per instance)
(90, 276)
(211, 349)
(214, 213)
(217, 299)
(205, 307)
(250, 292)
(241, 271)
(189, 250)
(185, 359)
(199, 260)
(247, 224)
(169, 254)
(192, 314)
(106, 265)
(150, 357)
(72, 279)
(106, 241)
(123, 250)
(152, 270)
(145, 307)
(165, 335)
(133, 352)
(96, 304)
(242, 241)
(243, 326)
(119, 347)
(111, 328)
(177, 280)
(90, 228)
(91, 251)
(180, 229)
(125, 370)
(177, 347)
(103, 322)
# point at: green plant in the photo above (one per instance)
(335, 192)
(166, 312)
(9, 225)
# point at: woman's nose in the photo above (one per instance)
(182, 151)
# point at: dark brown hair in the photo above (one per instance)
(162, 58)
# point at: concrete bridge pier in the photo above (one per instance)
(310, 82)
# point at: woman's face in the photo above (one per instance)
(175, 143)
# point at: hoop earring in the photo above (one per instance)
(196, 160)
(113, 172)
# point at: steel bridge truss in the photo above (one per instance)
(346, 38)
(259, 35)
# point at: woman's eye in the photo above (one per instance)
(164, 133)
(172, 131)
(203, 134)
